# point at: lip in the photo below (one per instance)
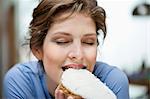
(74, 66)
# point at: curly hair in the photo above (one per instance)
(44, 15)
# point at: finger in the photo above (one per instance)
(56, 94)
(70, 97)
(59, 94)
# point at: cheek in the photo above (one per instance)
(91, 58)
(52, 61)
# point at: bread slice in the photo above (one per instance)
(82, 84)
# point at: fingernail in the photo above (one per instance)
(70, 97)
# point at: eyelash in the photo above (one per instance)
(67, 42)
(88, 43)
(62, 42)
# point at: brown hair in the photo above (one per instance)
(45, 13)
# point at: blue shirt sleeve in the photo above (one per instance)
(114, 78)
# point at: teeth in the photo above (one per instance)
(64, 68)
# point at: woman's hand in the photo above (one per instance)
(60, 95)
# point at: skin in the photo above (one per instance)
(71, 42)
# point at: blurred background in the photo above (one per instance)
(126, 46)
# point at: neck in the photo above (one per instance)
(51, 86)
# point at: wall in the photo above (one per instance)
(127, 44)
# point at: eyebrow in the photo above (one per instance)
(90, 34)
(68, 34)
(62, 33)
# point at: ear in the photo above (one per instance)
(37, 53)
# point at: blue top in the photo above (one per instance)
(27, 81)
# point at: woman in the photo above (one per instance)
(63, 35)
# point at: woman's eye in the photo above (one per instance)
(89, 43)
(62, 42)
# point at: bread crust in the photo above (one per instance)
(67, 92)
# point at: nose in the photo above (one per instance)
(76, 53)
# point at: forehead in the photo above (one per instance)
(74, 22)
(68, 15)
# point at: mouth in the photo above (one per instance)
(74, 66)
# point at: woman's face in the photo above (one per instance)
(71, 43)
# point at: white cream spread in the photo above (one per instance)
(84, 83)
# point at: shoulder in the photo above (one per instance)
(18, 80)
(113, 77)
(22, 70)
(104, 71)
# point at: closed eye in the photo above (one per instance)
(62, 42)
(89, 40)
(89, 43)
